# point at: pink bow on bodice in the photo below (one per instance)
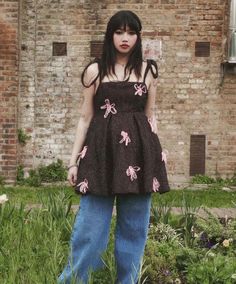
(164, 155)
(125, 138)
(83, 186)
(140, 89)
(131, 171)
(110, 108)
(155, 185)
(83, 152)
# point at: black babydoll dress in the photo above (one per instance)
(121, 153)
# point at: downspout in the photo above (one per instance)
(232, 33)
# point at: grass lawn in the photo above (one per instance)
(207, 197)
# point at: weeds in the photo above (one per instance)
(34, 242)
(50, 173)
(22, 136)
(161, 212)
(188, 220)
(202, 179)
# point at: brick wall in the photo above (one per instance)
(190, 100)
(227, 144)
(8, 88)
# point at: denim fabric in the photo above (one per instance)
(91, 231)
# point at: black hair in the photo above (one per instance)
(106, 64)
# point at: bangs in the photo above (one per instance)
(124, 19)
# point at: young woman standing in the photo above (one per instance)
(120, 157)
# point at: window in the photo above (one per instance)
(197, 154)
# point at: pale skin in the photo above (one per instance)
(120, 37)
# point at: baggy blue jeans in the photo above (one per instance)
(91, 232)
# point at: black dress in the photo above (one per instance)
(121, 153)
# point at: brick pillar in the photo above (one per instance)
(8, 88)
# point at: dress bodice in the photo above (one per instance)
(116, 97)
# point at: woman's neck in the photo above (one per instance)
(122, 59)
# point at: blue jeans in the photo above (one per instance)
(91, 231)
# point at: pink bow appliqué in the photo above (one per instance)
(131, 171)
(83, 152)
(164, 155)
(110, 108)
(83, 186)
(151, 124)
(140, 89)
(125, 138)
(155, 185)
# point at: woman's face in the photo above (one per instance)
(124, 40)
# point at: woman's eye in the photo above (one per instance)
(118, 32)
(132, 32)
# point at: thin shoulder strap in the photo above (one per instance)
(152, 66)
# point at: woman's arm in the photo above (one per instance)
(83, 123)
(87, 112)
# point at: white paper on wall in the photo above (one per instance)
(152, 49)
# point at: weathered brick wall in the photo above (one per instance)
(189, 97)
(8, 88)
(227, 143)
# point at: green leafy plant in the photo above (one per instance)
(210, 226)
(34, 178)
(20, 174)
(202, 179)
(37, 235)
(185, 257)
(164, 232)
(213, 232)
(109, 262)
(22, 136)
(212, 269)
(2, 180)
(53, 172)
(161, 212)
(218, 181)
(160, 262)
(50, 173)
(188, 220)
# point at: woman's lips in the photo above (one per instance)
(124, 46)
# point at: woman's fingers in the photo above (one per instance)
(72, 176)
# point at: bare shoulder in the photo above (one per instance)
(144, 66)
(91, 72)
(92, 69)
(150, 67)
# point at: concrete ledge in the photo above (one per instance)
(217, 212)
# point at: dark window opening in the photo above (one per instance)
(59, 48)
(202, 49)
(197, 154)
(96, 49)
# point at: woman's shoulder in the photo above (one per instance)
(150, 71)
(90, 73)
(150, 65)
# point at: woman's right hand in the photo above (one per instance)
(72, 175)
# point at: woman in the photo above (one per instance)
(120, 157)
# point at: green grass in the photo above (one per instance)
(25, 194)
(209, 198)
(34, 243)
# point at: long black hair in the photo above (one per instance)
(106, 64)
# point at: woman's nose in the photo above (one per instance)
(125, 37)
